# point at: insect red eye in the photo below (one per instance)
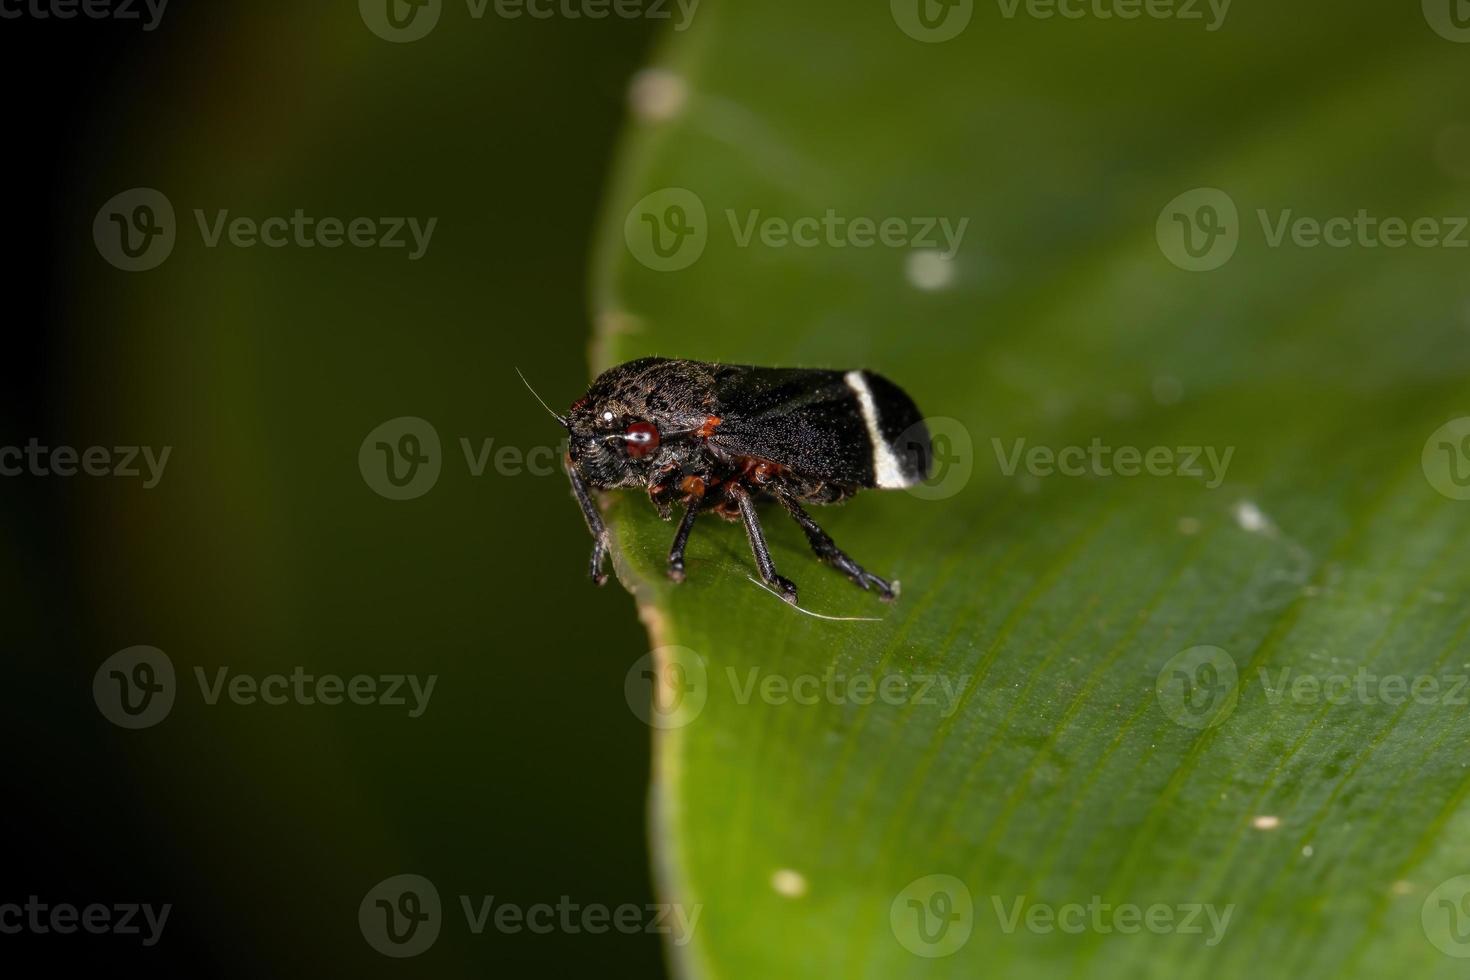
(641, 439)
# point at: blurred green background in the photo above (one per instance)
(263, 547)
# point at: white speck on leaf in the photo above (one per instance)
(1252, 519)
(929, 270)
(657, 95)
(789, 883)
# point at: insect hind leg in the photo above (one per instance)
(827, 550)
(758, 547)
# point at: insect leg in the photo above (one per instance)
(594, 522)
(827, 550)
(681, 539)
(758, 545)
(661, 489)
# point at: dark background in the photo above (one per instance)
(262, 549)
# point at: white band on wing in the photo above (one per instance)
(886, 471)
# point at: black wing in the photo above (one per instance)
(849, 427)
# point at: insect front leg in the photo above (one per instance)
(758, 547)
(681, 538)
(827, 550)
(662, 489)
(694, 489)
(594, 522)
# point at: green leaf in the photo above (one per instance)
(1086, 752)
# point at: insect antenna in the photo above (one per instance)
(560, 418)
(817, 615)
